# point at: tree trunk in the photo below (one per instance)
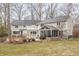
(32, 15)
(8, 20)
(5, 16)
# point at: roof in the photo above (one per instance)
(24, 22)
(57, 19)
(32, 22)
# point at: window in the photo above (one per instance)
(16, 32)
(58, 23)
(72, 21)
(24, 26)
(49, 33)
(16, 26)
(42, 24)
(34, 32)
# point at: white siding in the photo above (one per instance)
(32, 27)
(53, 24)
(69, 27)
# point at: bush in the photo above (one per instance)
(3, 32)
(2, 40)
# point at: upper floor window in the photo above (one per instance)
(42, 24)
(58, 23)
(16, 26)
(72, 21)
(33, 32)
(24, 26)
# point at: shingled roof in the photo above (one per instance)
(24, 22)
(32, 22)
(57, 19)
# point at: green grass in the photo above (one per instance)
(43, 48)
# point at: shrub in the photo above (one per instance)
(3, 31)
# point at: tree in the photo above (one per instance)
(38, 10)
(8, 19)
(5, 15)
(76, 10)
(32, 12)
(19, 11)
(53, 8)
(67, 9)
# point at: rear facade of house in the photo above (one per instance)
(56, 27)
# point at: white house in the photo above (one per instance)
(23, 27)
(56, 27)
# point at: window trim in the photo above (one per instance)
(58, 23)
(16, 26)
(33, 32)
(24, 25)
(16, 32)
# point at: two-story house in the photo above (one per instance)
(56, 27)
(23, 27)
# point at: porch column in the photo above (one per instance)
(45, 31)
(51, 33)
(58, 33)
(21, 33)
(39, 33)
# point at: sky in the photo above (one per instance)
(27, 12)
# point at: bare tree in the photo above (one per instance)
(2, 16)
(47, 12)
(19, 10)
(8, 19)
(5, 13)
(38, 10)
(32, 12)
(76, 10)
(53, 8)
(67, 9)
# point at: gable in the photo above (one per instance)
(48, 27)
(44, 27)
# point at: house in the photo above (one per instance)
(23, 27)
(56, 27)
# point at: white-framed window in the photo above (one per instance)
(24, 26)
(16, 32)
(16, 26)
(33, 32)
(58, 23)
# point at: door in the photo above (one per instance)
(54, 33)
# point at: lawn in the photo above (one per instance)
(44, 48)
